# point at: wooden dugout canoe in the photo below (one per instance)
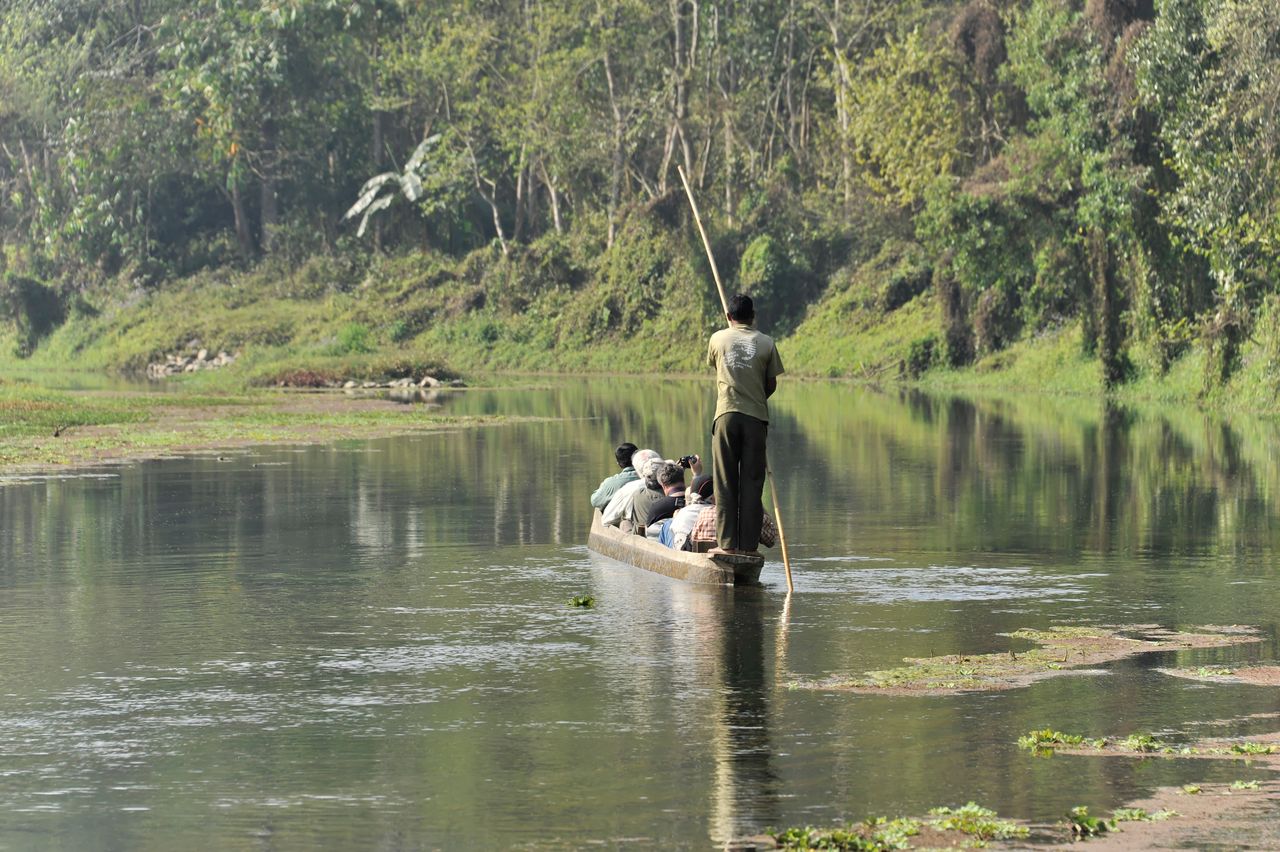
(640, 552)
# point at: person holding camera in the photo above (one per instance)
(747, 367)
(658, 508)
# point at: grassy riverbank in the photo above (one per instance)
(41, 429)
(644, 305)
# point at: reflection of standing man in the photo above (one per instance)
(747, 368)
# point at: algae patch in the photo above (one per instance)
(1254, 675)
(1057, 650)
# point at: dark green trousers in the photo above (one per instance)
(738, 473)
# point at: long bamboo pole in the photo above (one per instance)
(724, 302)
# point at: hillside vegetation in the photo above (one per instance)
(1051, 194)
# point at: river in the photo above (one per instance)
(370, 645)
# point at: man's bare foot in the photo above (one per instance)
(719, 551)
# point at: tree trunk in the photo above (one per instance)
(1106, 299)
(522, 190)
(269, 212)
(554, 195)
(844, 84)
(618, 154)
(244, 237)
(490, 197)
(377, 143)
(377, 146)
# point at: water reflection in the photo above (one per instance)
(370, 644)
(746, 785)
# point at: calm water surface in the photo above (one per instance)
(370, 645)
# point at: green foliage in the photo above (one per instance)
(976, 821)
(910, 117)
(878, 834)
(1208, 72)
(764, 271)
(1083, 825)
(1144, 743)
(1070, 176)
(921, 355)
(1043, 742)
(353, 338)
(35, 310)
(1140, 815)
(583, 601)
(1244, 785)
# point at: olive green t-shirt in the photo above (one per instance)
(743, 358)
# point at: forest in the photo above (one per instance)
(496, 180)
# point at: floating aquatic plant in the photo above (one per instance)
(584, 601)
(977, 822)
(1145, 743)
(1140, 815)
(1042, 743)
(878, 834)
(1083, 825)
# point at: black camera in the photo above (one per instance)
(687, 461)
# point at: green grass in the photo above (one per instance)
(53, 428)
(556, 307)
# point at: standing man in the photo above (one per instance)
(747, 368)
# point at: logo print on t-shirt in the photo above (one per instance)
(740, 353)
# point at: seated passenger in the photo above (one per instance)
(697, 498)
(652, 507)
(602, 495)
(620, 512)
(703, 535)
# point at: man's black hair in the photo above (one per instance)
(624, 453)
(741, 308)
(670, 474)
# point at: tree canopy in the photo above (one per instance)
(1107, 161)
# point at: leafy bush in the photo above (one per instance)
(908, 279)
(994, 320)
(35, 309)
(777, 274)
(354, 338)
(922, 353)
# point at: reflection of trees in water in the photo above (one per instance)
(949, 473)
(1063, 476)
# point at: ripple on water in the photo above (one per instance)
(28, 478)
(945, 583)
(504, 656)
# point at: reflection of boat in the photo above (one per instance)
(682, 565)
